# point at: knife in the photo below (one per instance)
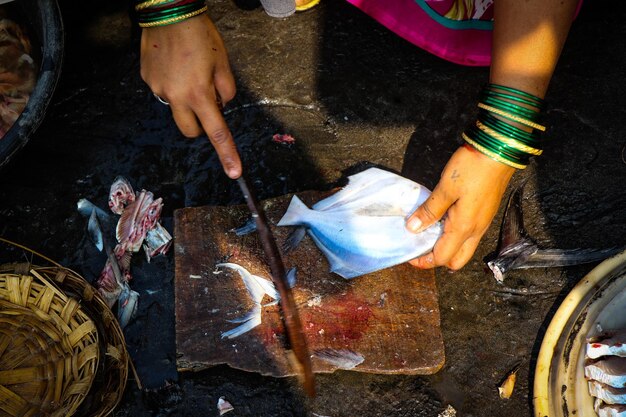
(279, 277)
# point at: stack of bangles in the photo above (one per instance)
(152, 13)
(497, 133)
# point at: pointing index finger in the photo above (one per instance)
(214, 125)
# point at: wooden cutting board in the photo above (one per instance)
(390, 317)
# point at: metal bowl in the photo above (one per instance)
(43, 19)
(596, 304)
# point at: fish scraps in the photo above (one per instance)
(285, 139)
(605, 371)
(257, 288)
(17, 73)
(138, 226)
(223, 406)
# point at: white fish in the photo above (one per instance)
(609, 410)
(610, 370)
(257, 288)
(609, 395)
(361, 228)
(613, 343)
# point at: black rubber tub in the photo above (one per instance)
(43, 20)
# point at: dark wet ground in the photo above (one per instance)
(352, 94)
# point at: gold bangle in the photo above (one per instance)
(491, 154)
(174, 19)
(508, 141)
(151, 3)
(512, 117)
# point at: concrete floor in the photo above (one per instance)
(352, 94)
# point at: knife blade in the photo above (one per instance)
(279, 277)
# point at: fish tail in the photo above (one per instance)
(295, 213)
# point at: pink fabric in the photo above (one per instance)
(407, 19)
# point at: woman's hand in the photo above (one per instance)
(470, 190)
(186, 65)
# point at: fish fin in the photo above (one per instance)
(245, 327)
(293, 240)
(341, 358)
(567, 257)
(295, 213)
(254, 287)
(291, 277)
(268, 287)
(248, 316)
(248, 227)
(85, 207)
(512, 229)
(94, 230)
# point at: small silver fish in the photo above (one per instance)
(361, 228)
(516, 250)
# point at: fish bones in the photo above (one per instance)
(361, 228)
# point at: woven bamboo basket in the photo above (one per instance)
(62, 351)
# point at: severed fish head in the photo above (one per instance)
(498, 267)
(121, 195)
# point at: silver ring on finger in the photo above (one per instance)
(160, 99)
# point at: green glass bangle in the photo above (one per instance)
(142, 5)
(491, 93)
(524, 141)
(168, 13)
(172, 20)
(512, 108)
(513, 143)
(496, 146)
(173, 9)
(538, 100)
(166, 16)
(531, 139)
(511, 116)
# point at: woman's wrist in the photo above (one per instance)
(154, 13)
(508, 126)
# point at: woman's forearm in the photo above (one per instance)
(528, 38)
